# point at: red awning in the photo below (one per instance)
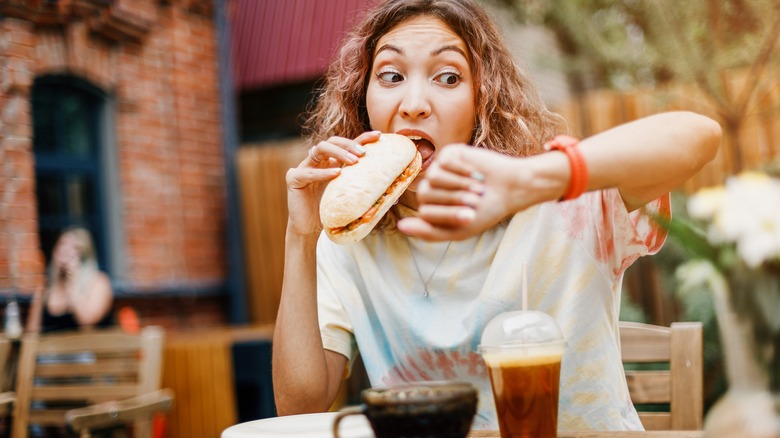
(286, 41)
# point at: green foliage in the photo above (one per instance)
(629, 43)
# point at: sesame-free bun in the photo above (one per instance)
(351, 195)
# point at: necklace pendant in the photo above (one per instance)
(425, 292)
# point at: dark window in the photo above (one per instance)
(67, 114)
(274, 113)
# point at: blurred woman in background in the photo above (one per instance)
(78, 294)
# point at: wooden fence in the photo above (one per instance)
(759, 137)
(261, 175)
(262, 168)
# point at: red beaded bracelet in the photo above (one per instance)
(579, 169)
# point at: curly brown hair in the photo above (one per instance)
(510, 116)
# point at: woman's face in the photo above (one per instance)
(421, 86)
(66, 251)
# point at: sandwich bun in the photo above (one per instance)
(355, 201)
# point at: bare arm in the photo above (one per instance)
(94, 303)
(307, 377)
(644, 159)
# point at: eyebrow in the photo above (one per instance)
(435, 52)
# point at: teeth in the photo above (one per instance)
(414, 137)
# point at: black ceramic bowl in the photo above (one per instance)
(425, 409)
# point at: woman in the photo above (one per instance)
(78, 295)
(438, 72)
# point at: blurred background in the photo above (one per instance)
(166, 127)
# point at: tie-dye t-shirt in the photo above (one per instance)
(371, 298)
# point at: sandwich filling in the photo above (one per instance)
(408, 172)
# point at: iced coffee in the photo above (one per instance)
(523, 352)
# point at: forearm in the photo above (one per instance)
(300, 372)
(651, 156)
(643, 159)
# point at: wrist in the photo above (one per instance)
(544, 177)
(578, 168)
(296, 238)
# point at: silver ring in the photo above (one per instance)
(313, 157)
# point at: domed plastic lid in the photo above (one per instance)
(521, 329)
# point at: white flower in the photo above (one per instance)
(695, 273)
(706, 202)
(745, 212)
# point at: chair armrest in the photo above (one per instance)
(119, 412)
(7, 400)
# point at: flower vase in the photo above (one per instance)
(750, 339)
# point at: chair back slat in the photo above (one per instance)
(656, 420)
(89, 393)
(51, 417)
(649, 386)
(118, 367)
(60, 372)
(677, 348)
(643, 343)
(687, 364)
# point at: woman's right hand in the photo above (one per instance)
(306, 182)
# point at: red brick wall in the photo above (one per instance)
(163, 74)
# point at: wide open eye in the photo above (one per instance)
(448, 78)
(390, 76)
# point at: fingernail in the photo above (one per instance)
(352, 158)
(478, 176)
(360, 149)
(466, 215)
(477, 188)
(470, 199)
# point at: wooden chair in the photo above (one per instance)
(680, 386)
(89, 381)
(6, 379)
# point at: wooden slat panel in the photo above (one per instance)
(261, 171)
(224, 402)
(649, 386)
(199, 368)
(115, 342)
(54, 417)
(758, 134)
(644, 342)
(113, 367)
(656, 420)
(82, 392)
(686, 372)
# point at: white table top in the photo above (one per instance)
(304, 426)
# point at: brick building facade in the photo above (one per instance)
(148, 69)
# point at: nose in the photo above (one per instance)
(415, 103)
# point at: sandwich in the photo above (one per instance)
(356, 200)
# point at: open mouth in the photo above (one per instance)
(425, 148)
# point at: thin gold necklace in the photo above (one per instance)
(417, 267)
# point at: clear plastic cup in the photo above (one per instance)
(523, 351)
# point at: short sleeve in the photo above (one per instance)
(637, 233)
(617, 237)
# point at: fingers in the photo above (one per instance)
(447, 215)
(451, 182)
(417, 227)
(339, 150)
(301, 176)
